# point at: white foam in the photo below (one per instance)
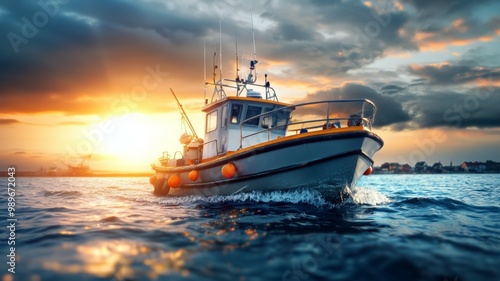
(305, 196)
(367, 196)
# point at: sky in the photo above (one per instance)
(92, 77)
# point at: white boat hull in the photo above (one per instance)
(329, 162)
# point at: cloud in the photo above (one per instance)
(444, 34)
(8, 121)
(91, 55)
(476, 108)
(339, 35)
(88, 49)
(452, 74)
(439, 8)
(391, 89)
(389, 111)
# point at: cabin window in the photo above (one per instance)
(277, 120)
(267, 120)
(212, 121)
(235, 113)
(251, 112)
(224, 116)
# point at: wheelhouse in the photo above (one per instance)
(229, 118)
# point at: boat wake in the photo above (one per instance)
(367, 196)
(361, 196)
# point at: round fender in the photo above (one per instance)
(159, 186)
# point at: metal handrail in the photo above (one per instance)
(365, 121)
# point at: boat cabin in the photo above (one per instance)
(236, 122)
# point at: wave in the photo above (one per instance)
(111, 219)
(447, 203)
(62, 193)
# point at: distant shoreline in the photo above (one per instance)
(28, 174)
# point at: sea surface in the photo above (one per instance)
(394, 227)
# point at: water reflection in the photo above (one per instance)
(121, 260)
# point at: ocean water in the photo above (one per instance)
(394, 227)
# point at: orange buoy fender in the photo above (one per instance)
(368, 171)
(174, 181)
(165, 189)
(152, 180)
(228, 170)
(159, 186)
(193, 175)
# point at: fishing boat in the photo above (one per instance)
(254, 142)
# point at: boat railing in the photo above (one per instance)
(314, 116)
(241, 86)
(166, 160)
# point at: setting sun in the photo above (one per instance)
(131, 137)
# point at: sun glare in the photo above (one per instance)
(131, 136)
(135, 140)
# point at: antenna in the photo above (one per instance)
(214, 66)
(237, 66)
(252, 77)
(205, 71)
(220, 47)
(253, 35)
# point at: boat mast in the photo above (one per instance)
(205, 72)
(253, 39)
(220, 49)
(252, 76)
(237, 68)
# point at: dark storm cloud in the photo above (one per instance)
(452, 74)
(91, 53)
(288, 31)
(475, 108)
(347, 35)
(83, 48)
(439, 8)
(391, 89)
(9, 121)
(389, 111)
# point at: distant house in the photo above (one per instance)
(437, 167)
(395, 167)
(421, 167)
(386, 168)
(474, 167)
(406, 169)
(465, 166)
(492, 166)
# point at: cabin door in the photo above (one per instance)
(223, 133)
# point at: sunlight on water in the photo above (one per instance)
(391, 226)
